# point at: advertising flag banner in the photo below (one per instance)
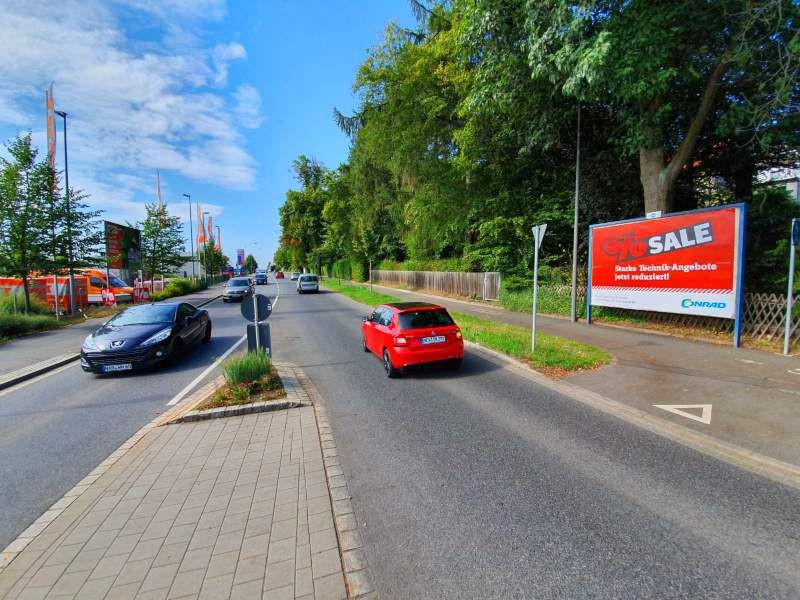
(201, 233)
(51, 127)
(123, 246)
(158, 190)
(209, 228)
(240, 257)
(687, 263)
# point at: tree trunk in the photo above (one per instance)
(652, 173)
(743, 183)
(26, 289)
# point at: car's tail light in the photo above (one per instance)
(458, 334)
(400, 341)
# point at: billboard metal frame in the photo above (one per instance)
(739, 256)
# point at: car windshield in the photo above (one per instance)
(311, 278)
(237, 282)
(418, 319)
(146, 314)
(117, 282)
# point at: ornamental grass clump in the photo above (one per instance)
(247, 368)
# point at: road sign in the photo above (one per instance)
(259, 303)
(259, 339)
(538, 234)
(795, 232)
(107, 296)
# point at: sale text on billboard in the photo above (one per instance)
(686, 263)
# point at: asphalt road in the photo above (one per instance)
(481, 484)
(55, 429)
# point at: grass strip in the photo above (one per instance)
(554, 355)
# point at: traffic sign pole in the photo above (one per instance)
(538, 234)
(795, 238)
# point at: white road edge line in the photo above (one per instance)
(182, 394)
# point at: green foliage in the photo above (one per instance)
(162, 246)
(178, 286)
(12, 325)
(465, 132)
(250, 263)
(246, 368)
(11, 304)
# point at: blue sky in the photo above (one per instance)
(219, 96)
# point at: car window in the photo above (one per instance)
(309, 278)
(185, 310)
(238, 282)
(386, 317)
(97, 282)
(145, 314)
(418, 319)
(117, 282)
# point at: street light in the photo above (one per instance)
(63, 115)
(191, 233)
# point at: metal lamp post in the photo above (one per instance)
(63, 115)
(205, 246)
(191, 233)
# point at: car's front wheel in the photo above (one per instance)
(364, 343)
(207, 334)
(390, 369)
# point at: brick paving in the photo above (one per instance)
(237, 507)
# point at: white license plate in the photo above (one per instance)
(436, 339)
(112, 368)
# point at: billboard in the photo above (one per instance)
(688, 263)
(123, 246)
(239, 257)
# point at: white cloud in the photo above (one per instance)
(133, 105)
(248, 106)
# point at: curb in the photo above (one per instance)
(235, 411)
(357, 577)
(15, 377)
(770, 468)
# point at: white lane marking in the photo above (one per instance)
(749, 362)
(793, 371)
(33, 380)
(705, 416)
(182, 394)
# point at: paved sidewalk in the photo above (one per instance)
(755, 395)
(236, 507)
(30, 349)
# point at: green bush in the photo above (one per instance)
(179, 287)
(433, 264)
(38, 306)
(12, 325)
(159, 296)
(247, 368)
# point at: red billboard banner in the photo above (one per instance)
(686, 263)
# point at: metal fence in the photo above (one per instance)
(471, 285)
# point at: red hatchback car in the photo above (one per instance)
(412, 333)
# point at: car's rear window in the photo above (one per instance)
(418, 319)
(237, 282)
(311, 278)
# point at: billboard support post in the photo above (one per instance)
(795, 238)
(538, 234)
(741, 216)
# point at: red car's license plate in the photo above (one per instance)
(436, 339)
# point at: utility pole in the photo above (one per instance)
(574, 291)
(63, 115)
(191, 233)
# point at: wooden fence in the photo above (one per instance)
(470, 285)
(763, 315)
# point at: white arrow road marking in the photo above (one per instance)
(705, 416)
(793, 371)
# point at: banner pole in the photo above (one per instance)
(795, 234)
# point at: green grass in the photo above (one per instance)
(554, 355)
(13, 325)
(246, 368)
(359, 293)
(552, 302)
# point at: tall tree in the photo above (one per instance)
(163, 249)
(671, 71)
(250, 263)
(26, 195)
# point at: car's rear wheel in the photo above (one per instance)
(207, 334)
(391, 371)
